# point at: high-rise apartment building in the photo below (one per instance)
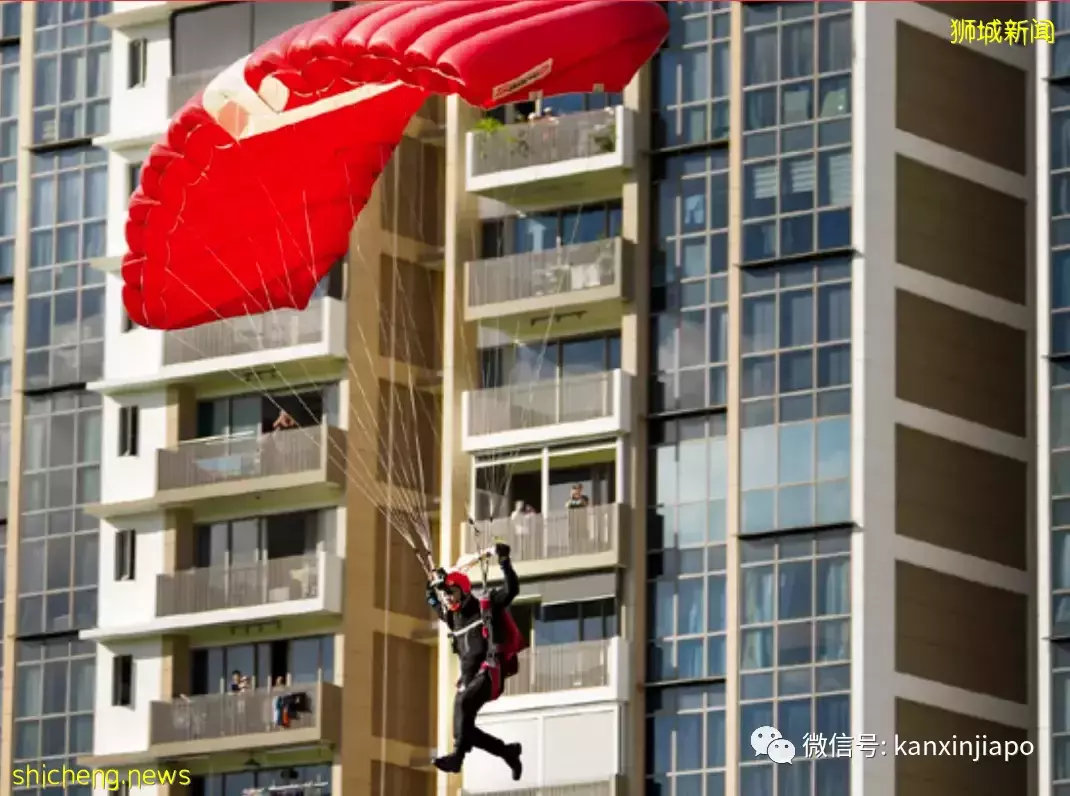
(169, 533)
(773, 311)
(791, 372)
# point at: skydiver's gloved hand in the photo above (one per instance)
(502, 550)
(431, 595)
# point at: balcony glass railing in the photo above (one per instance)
(182, 88)
(557, 534)
(570, 399)
(216, 460)
(246, 335)
(562, 667)
(555, 272)
(197, 591)
(544, 140)
(232, 715)
(605, 788)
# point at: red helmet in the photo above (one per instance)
(460, 581)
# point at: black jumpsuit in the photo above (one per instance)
(474, 686)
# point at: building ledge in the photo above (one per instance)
(109, 265)
(313, 486)
(117, 760)
(119, 142)
(145, 13)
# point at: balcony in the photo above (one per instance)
(237, 337)
(306, 586)
(566, 705)
(307, 459)
(588, 276)
(300, 344)
(558, 542)
(607, 787)
(566, 674)
(182, 88)
(131, 13)
(220, 723)
(543, 412)
(544, 670)
(581, 157)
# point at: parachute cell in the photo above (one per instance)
(250, 198)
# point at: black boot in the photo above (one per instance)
(512, 757)
(449, 764)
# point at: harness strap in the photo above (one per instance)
(494, 672)
(465, 629)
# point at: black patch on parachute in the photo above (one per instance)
(533, 75)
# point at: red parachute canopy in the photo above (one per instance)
(251, 197)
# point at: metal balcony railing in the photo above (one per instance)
(215, 460)
(561, 667)
(557, 534)
(570, 399)
(182, 88)
(232, 715)
(555, 272)
(603, 788)
(545, 140)
(245, 335)
(196, 591)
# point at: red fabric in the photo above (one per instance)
(512, 642)
(460, 580)
(495, 675)
(222, 228)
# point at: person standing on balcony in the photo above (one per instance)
(273, 454)
(487, 641)
(577, 500)
(283, 422)
(577, 506)
(521, 518)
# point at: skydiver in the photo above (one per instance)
(482, 669)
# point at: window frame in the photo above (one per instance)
(129, 431)
(125, 556)
(122, 681)
(133, 177)
(137, 62)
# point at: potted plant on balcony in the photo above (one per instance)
(493, 130)
(489, 129)
(604, 138)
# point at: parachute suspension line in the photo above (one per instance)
(271, 399)
(262, 388)
(310, 261)
(501, 487)
(215, 311)
(392, 366)
(415, 508)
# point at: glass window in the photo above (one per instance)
(692, 76)
(689, 345)
(65, 328)
(61, 463)
(54, 696)
(522, 364)
(797, 156)
(315, 781)
(9, 104)
(72, 74)
(1060, 711)
(686, 550)
(795, 671)
(686, 740)
(795, 386)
